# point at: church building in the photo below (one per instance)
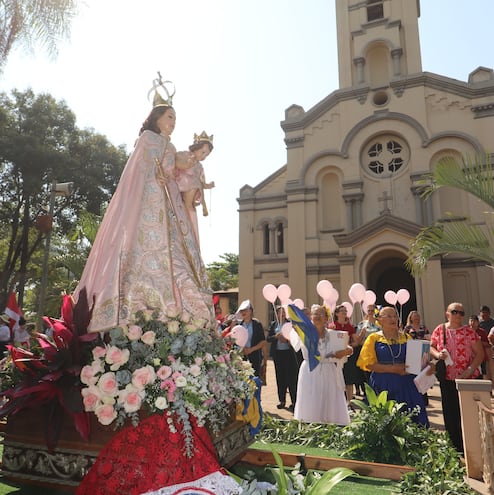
(347, 203)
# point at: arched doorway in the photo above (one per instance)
(386, 270)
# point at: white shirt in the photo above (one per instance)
(4, 333)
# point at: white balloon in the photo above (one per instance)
(370, 298)
(390, 297)
(356, 293)
(284, 292)
(403, 296)
(333, 296)
(240, 334)
(299, 303)
(286, 330)
(323, 288)
(349, 308)
(270, 293)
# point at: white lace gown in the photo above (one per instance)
(321, 392)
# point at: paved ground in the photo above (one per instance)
(269, 399)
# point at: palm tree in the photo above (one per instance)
(473, 240)
(26, 22)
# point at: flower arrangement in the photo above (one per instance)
(178, 368)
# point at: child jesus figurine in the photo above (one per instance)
(190, 177)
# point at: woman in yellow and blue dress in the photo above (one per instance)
(383, 355)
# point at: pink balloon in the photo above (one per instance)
(286, 330)
(390, 297)
(333, 296)
(349, 308)
(284, 292)
(323, 288)
(356, 293)
(240, 334)
(403, 296)
(270, 293)
(370, 298)
(299, 303)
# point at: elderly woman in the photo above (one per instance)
(462, 344)
(383, 355)
(321, 392)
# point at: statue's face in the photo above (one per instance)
(202, 152)
(166, 123)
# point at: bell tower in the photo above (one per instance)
(378, 41)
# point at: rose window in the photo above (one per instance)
(385, 156)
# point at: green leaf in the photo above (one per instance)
(329, 480)
(279, 474)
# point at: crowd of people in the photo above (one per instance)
(374, 352)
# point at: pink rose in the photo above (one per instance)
(99, 352)
(90, 398)
(105, 414)
(131, 398)
(195, 370)
(134, 332)
(220, 359)
(143, 376)
(198, 361)
(116, 357)
(164, 372)
(108, 384)
(88, 374)
(148, 337)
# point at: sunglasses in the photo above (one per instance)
(457, 312)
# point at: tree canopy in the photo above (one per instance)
(223, 275)
(40, 143)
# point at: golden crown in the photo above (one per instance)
(158, 99)
(203, 137)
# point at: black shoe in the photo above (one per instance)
(281, 405)
(291, 408)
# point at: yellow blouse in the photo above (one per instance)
(368, 355)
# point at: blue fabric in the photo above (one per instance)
(400, 388)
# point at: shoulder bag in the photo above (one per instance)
(440, 364)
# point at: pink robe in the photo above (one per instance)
(146, 256)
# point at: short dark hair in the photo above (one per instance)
(485, 308)
(474, 317)
(22, 321)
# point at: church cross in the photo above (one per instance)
(385, 198)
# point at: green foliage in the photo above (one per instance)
(456, 234)
(223, 275)
(382, 431)
(280, 480)
(39, 144)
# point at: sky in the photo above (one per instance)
(236, 65)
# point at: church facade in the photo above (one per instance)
(347, 203)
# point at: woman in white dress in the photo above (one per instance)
(321, 392)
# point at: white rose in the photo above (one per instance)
(173, 326)
(161, 403)
(181, 381)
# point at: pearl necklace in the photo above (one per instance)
(393, 357)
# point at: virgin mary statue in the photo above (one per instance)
(145, 256)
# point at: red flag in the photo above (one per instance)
(13, 311)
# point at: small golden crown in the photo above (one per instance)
(203, 137)
(158, 99)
